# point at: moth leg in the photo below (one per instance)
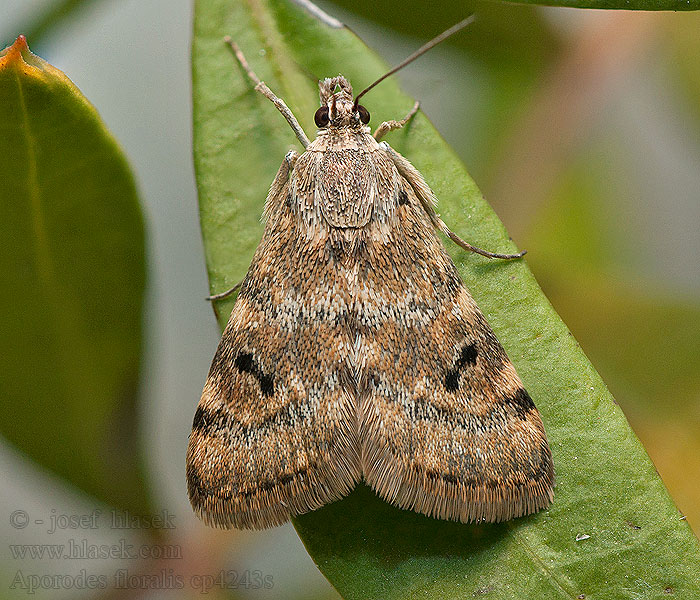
(428, 201)
(388, 126)
(267, 92)
(226, 294)
(467, 246)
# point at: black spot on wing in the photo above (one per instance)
(452, 380)
(208, 421)
(195, 487)
(267, 485)
(403, 198)
(448, 477)
(466, 357)
(212, 421)
(199, 421)
(520, 403)
(469, 481)
(245, 364)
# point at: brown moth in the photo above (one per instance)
(354, 352)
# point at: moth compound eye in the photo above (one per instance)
(321, 117)
(364, 114)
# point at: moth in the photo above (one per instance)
(354, 352)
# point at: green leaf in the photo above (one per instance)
(73, 282)
(638, 546)
(620, 318)
(620, 4)
(515, 27)
(510, 48)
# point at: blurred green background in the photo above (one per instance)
(582, 128)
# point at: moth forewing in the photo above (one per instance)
(274, 434)
(354, 352)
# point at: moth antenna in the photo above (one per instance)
(422, 50)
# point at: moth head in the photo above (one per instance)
(337, 106)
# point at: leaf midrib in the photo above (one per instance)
(550, 574)
(45, 266)
(51, 286)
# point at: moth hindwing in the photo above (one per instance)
(354, 352)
